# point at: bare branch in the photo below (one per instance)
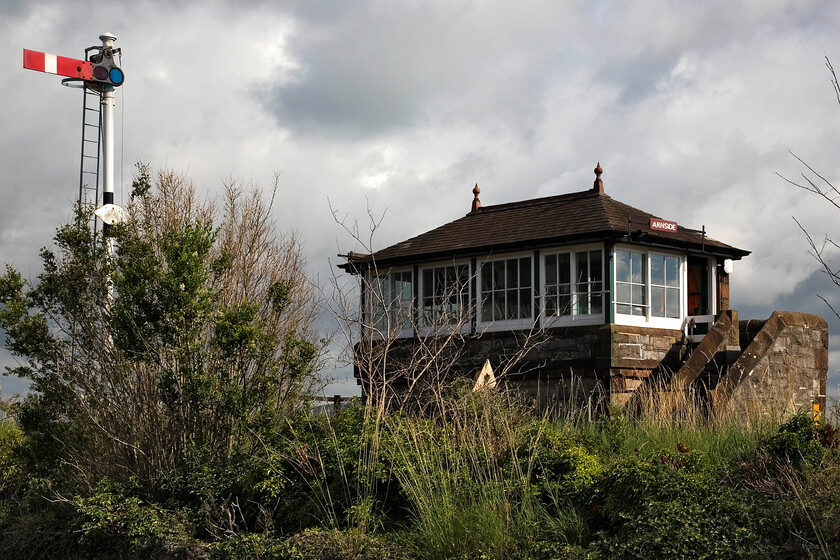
(834, 82)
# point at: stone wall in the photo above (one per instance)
(781, 364)
(637, 353)
(603, 363)
(783, 368)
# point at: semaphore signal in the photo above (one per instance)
(98, 73)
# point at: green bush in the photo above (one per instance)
(668, 507)
(114, 518)
(557, 464)
(340, 545)
(796, 442)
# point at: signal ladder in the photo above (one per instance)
(89, 166)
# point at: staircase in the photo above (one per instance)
(782, 361)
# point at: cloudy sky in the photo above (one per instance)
(403, 105)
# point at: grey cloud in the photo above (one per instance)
(385, 66)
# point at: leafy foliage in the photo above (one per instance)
(667, 506)
(797, 441)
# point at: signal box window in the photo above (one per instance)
(630, 280)
(446, 294)
(507, 290)
(391, 298)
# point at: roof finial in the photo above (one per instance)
(598, 187)
(476, 204)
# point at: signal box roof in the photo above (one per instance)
(580, 217)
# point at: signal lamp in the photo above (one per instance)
(105, 70)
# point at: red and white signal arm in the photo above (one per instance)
(54, 64)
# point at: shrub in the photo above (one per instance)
(667, 507)
(340, 545)
(796, 442)
(114, 519)
(557, 464)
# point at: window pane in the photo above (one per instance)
(622, 266)
(556, 284)
(408, 288)
(550, 300)
(637, 294)
(402, 297)
(596, 307)
(672, 266)
(550, 270)
(498, 306)
(498, 275)
(622, 293)
(464, 279)
(564, 273)
(657, 301)
(582, 267)
(582, 304)
(657, 270)
(441, 281)
(636, 269)
(512, 308)
(525, 305)
(564, 301)
(672, 303)
(486, 278)
(487, 309)
(595, 270)
(525, 272)
(512, 276)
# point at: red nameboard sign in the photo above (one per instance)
(662, 225)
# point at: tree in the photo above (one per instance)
(195, 336)
(814, 182)
(396, 371)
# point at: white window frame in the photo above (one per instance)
(647, 319)
(483, 324)
(573, 317)
(375, 302)
(425, 329)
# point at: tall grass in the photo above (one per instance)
(662, 419)
(483, 474)
(467, 495)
